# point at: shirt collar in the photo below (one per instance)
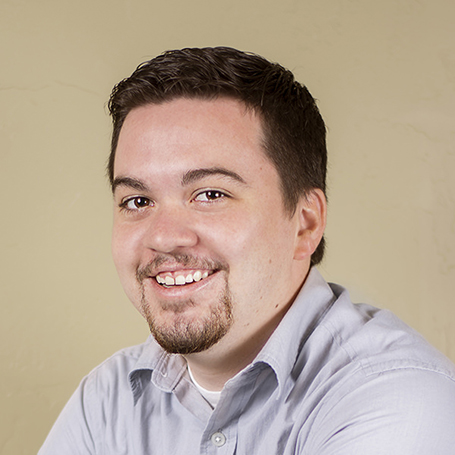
(157, 366)
(284, 345)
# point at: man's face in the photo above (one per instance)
(201, 241)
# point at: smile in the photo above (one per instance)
(180, 278)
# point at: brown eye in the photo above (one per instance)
(140, 202)
(214, 195)
(210, 195)
(136, 203)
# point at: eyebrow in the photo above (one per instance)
(199, 174)
(129, 182)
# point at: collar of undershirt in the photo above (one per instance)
(211, 396)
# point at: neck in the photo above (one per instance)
(214, 367)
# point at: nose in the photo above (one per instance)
(169, 230)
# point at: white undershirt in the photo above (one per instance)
(211, 396)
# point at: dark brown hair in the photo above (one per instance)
(294, 131)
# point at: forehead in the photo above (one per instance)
(190, 133)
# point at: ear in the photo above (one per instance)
(312, 215)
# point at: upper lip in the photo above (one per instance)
(175, 269)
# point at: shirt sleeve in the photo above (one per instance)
(72, 432)
(405, 411)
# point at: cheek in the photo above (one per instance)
(251, 243)
(125, 251)
(118, 247)
(267, 254)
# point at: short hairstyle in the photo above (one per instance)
(294, 131)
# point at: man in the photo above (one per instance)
(217, 168)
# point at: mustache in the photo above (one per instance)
(175, 260)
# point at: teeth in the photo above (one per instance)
(180, 279)
(197, 276)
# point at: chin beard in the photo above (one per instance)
(190, 336)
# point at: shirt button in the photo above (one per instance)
(218, 439)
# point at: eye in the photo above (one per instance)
(209, 196)
(136, 203)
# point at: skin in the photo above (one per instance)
(192, 180)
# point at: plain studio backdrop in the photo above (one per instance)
(384, 75)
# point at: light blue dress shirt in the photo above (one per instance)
(334, 378)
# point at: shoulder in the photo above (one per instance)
(377, 341)
(386, 389)
(403, 410)
(93, 409)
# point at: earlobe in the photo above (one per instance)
(312, 214)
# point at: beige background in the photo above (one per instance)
(384, 72)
